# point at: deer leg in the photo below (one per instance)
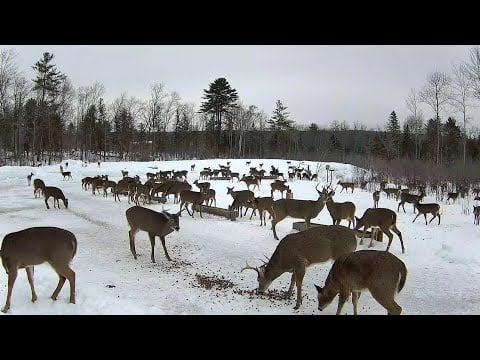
(386, 299)
(64, 272)
(425, 215)
(46, 203)
(274, 223)
(199, 210)
(363, 234)
(416, 217)
(164, 248)
(439, 219)
(403, 207)
(151, 236)
(29, 271)
(12, 275)
(399, 234)
(299, 274)
(355, 297)
(390, 238)
(131, 236)
(61, 281)
(342, 299)
(290, 288)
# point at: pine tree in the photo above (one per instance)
(394, 134)
(279, 119)
(453, 136)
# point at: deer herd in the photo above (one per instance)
(353, 271)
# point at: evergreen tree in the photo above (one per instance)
(279, 119)
(408, 145)
(453, 135)
(394, 134)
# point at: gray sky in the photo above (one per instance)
(318, 83)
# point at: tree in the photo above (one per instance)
(408, 145)
(436, 94)
(393, 130)
(473, 70)
(279, 119)
(220, 99)
(415, 120)
(453, 136)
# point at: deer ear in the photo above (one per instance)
(356, 218)
(319, 289)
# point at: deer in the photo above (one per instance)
(203, 186)
(66, 174)
(175, 188)
(303, 209)
(38, 185)
(476, 214)
(409, 198)
(390, 192)
(382, 218)
(339, 211)
(346, 185)
(249, 181)
(297, 251)
(29, 178)
(380, 272)
(240, 198)
(124, 173)
(425, 209)
(376, 198)
(453, 196)
(154, 223)
(263, 204)
(194, 198)
(57, 194)
(279, 186)
(192, 167)
(33, 246)
(210, 197)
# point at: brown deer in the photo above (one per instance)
(57, 194)
(192, 167)
(390, 192)
(210, 197)
(278, 186)
(194, 198)
(29, 178)
(409, 198)
(376, 198)
(175, 188)
(382, 218)
(38, 186)
(154, 223)
(124, 173)
(263, 204)
(381, 273)
(249, 181)
(240, 198)
(66, 174)
(453, 196)
(340, 211)
(476, 214)
(203, 186)
(34, 246)
(295, 252)
(425, 209)
(300, 209)
(346, 185)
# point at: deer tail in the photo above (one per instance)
(403, 278)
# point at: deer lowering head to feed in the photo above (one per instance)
(38, 185)
(379, 272)
(425, 209)
(300, 209)
(66, 174)
(409, 198)
(295, 252)
(376, 198)
(34, 246)
(340, 211)
(476, 214)
(29, 178)
(194, 198)
(57, 194)
(240, 198)
(382, 218)
(154, 223)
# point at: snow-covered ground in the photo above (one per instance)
(443, 261)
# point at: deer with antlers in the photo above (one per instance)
(295, 252)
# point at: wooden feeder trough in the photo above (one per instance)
(229, 214)
(220, 178)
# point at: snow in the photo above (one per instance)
(443, 261)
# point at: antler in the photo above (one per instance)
(250, 267)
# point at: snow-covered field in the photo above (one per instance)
(443, 261)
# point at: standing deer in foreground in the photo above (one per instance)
(340, 211)
(376, 198)
(34, 246)
(425, 209)
(295, 252)
(154, 223)
(57, 194)
(380, 272)
(302, 209)
(382, 218)
(29, 178)
(476, 214)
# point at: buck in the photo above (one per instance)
(263, 204)
(33, 246)
(300, 209)
(29, 178)
(425, 209)
(382, 218)
(346, 185)
(154, 223)
(411, 199)
(38, 185)
(376, 198)
(295, 252)
(66, 174)
(57, 194)
(476, 214)
(340, 211)
(379, 272)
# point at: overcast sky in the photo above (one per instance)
(317, 83)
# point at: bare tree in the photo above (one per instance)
(436, 94)
(8, 71)
(21, 89)
(461, 92)
(152, 110)
(473, 70)
(415, 120)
